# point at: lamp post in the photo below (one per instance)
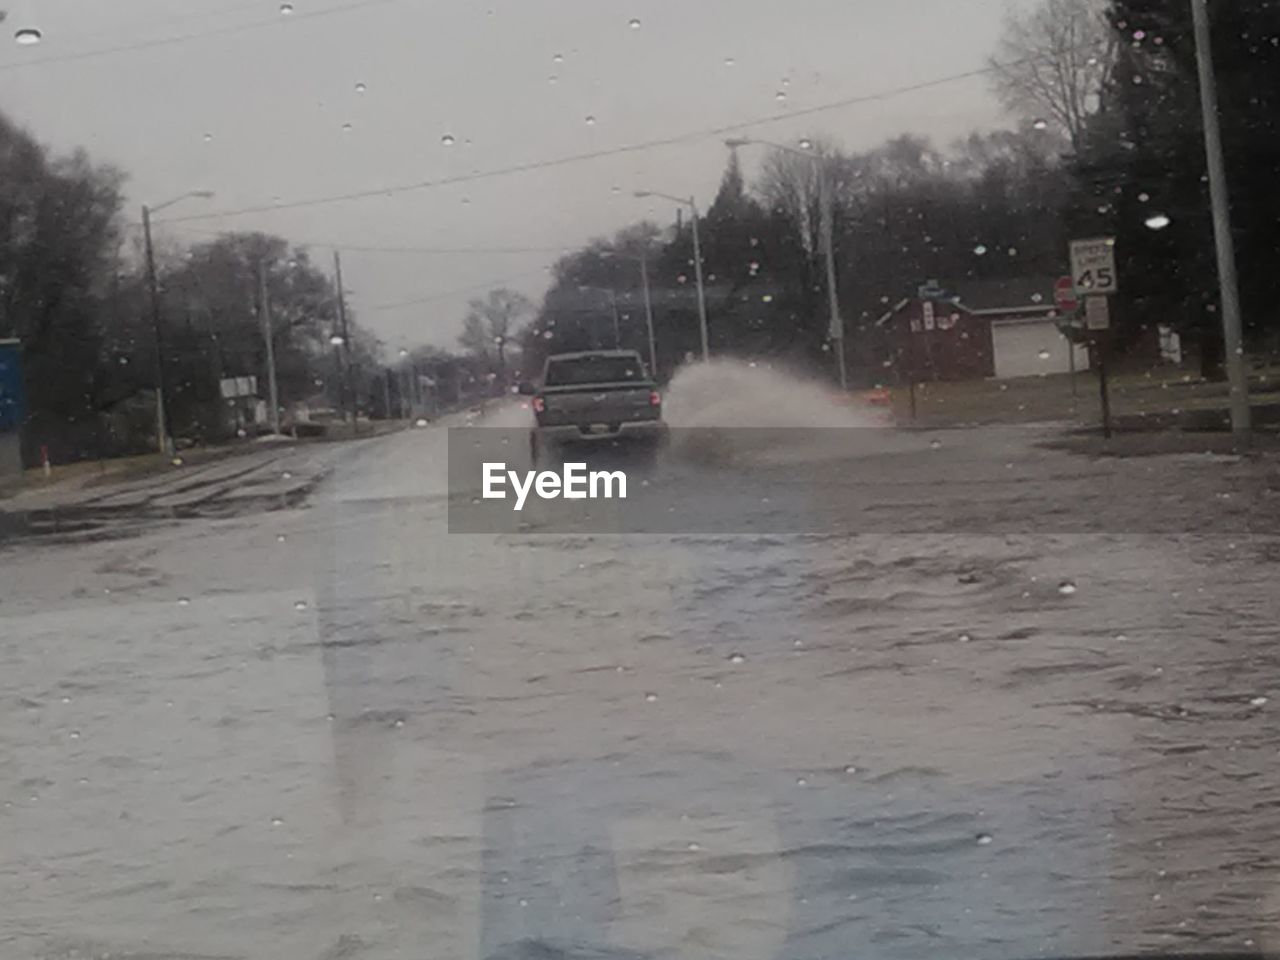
(697, 261)
(835, 327)
(164, 431)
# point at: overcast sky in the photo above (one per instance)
(349, 96)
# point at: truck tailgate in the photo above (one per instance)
(597, 403)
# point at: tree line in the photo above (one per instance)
(1107, 141)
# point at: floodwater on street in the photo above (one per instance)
(326, 727)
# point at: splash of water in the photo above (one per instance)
(729, 410)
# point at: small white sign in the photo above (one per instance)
(1097, 314)
(1093, 265)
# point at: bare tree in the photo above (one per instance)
(1052, 62)
(489, 324)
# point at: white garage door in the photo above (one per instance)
(1030, 348)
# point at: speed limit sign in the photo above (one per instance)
(1093, 265)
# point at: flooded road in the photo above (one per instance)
(336, 730)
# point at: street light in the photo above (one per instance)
(697, 261)
(163, 429)
(835, 327)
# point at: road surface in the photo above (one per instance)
(271, 707)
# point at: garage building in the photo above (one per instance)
(982, 329)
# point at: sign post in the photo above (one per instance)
(1093, 277)
(1064, 298)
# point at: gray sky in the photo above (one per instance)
(253, 106)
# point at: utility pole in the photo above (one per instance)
(617, 329)
(264, 305)
(344, 349)
(163, 431)
(1224, 247)
(648, 314)
(697, 272)
(835, 328)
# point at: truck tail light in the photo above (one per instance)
(655, 398)
(539, 404)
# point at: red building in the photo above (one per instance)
(998, 328)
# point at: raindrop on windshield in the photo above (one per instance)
(286, 8)
(448, 140)
(1257, 701)
(183, 602)
(806, 144)
(300, 605)
(728, 61)
(1043, 354)
(590, 120)
(650, 697)
(634, 23)
(277, 821)
(1157, 221)
(361, 88)
(983, 839)
(27, 36)
(1066, 588)
(558, 58)
(780, 96)
(208, 137)
(980, 249)
(1040, 124)
(801, 782)
(737, 658)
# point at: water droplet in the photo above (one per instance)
(420, 422)
(286, 8)
(806, 144)
(277, 821)
(1066, 588)
(552, 79)
(728, 61)
(1039, 123)
(208, 138)
(1258, 701)
(176, 461)
(448, 140)
(184, 602)
(66, 699)
(1121, 638)
(399, 724)
(361, 88)
(964, 638)
(1157, 221)
(523, 902)
(983, 839)
(737, 658)
(75, 734)
(980, 249)
(1043, 354)
(300, 605)
(634, 23)
(279, 538)
(935, 444)
(286, 475)
(27, 37)
(1143, 197)
(590, 120)
(346, 128)
(651, 697)
(801, 782)
(780, 96)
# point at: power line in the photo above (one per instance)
(277, 20)
(600, 154)
(458, 292)
(356, 248)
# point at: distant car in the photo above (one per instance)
(595, 395)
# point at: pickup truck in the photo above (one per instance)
(595, 395)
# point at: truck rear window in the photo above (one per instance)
(565, 373)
